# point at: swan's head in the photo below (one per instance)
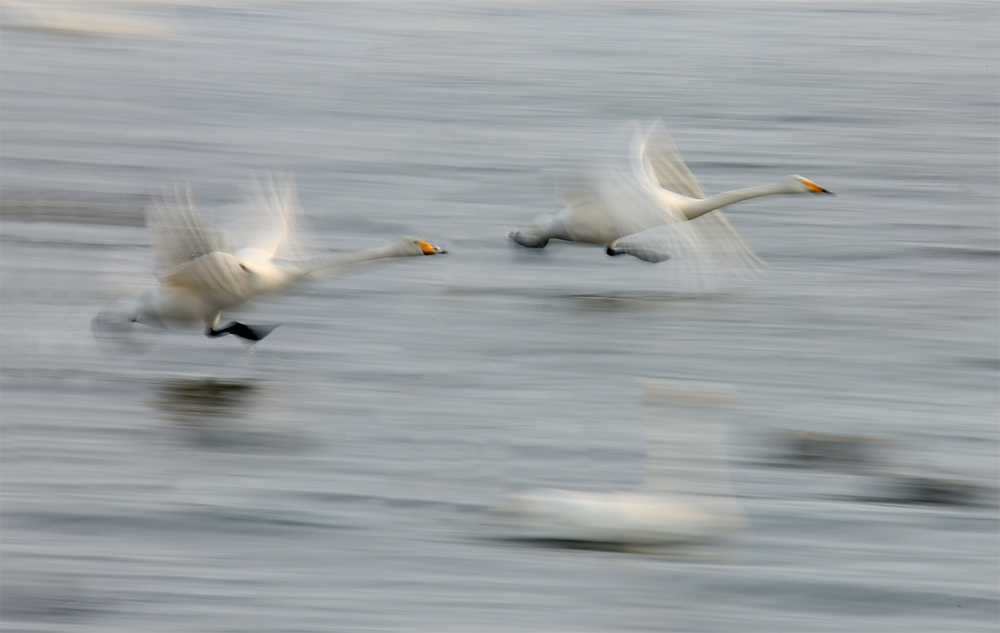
(798, 184)
(416, 246)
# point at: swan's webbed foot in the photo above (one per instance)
(242, 330)
(644, 254)
(529, 242)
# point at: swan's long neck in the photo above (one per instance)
(697, 208)
(371, 254)
(335, 263)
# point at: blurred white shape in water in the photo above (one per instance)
(202, 273)
(686, 496)
(645, 202)
(84, 21)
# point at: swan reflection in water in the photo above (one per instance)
(888, 477)
(686, 496)
(221, 415)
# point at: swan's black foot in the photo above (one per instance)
(529, 242)
(241, 330)
(612, 252)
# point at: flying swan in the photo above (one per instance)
(649, 188)
(201, 274)
(686, 496)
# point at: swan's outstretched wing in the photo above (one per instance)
(178, 232)
(664, 163)
(270, 225)
(191, 253)
(625, 197)
(612, 203)
(708, 247)
(708, 244)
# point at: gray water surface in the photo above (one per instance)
(334, 477)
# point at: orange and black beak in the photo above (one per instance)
(430, 249)
(813, 187)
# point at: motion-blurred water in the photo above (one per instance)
(333, 477)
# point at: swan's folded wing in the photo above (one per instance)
(178, 232)
(664, 163)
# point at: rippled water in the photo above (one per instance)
(334, 477)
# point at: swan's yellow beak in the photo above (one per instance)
(430, 249)
(813, 187)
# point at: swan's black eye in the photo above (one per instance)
(245, 269)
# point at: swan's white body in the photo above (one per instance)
(686, 496)
(649, 188)
(200, 275)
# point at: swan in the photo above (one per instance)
(649, 188)
(686, 495)
(201, 274)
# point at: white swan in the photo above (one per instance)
(649, 188)
(201, 275)
(686, 496)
